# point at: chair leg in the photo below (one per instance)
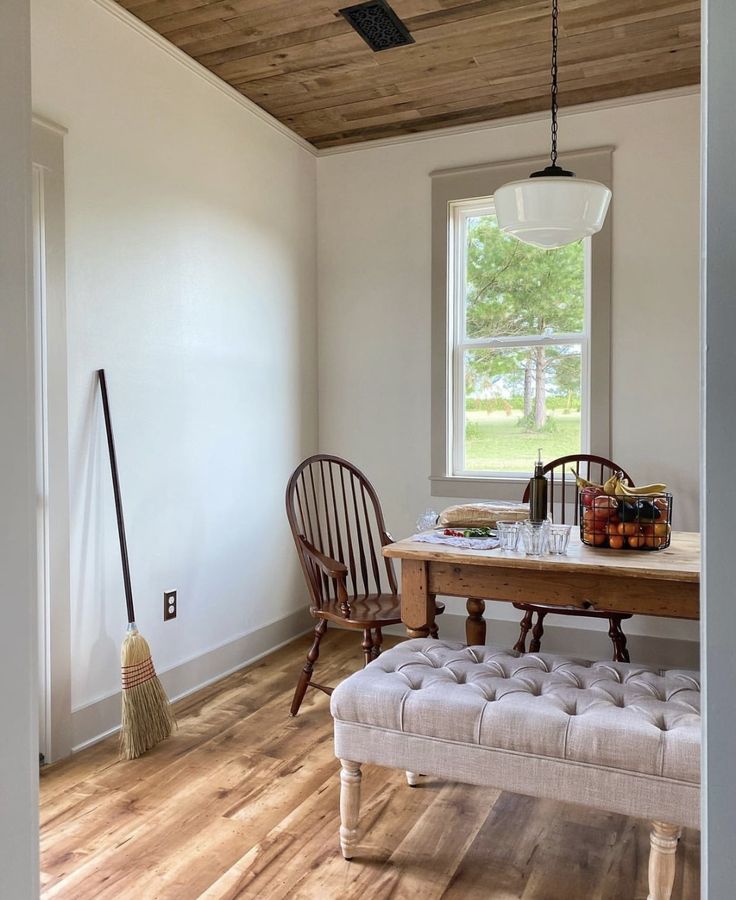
(537, 633)
(306, 673)
(367, 645)
(434, 631)
(618, 639)
(377, 642)
(663, 846)
(525, 628)
(349, 806)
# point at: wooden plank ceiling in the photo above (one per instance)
(473, 60)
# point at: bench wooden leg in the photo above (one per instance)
(663, 846)
(349, 806)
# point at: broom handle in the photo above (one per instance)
(118, 500)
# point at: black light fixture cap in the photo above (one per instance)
(553, 171)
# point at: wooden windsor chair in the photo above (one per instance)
(338, 527)
(564, 508)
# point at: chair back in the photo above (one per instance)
(563, 492)
(333, 507)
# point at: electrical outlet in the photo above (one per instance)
(170, 605)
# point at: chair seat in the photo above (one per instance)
(571, 611)
(374, 610)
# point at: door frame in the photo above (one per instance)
(52, 441)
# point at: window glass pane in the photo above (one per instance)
(518, 400)
(516, 289)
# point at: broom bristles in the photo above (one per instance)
(147, 714)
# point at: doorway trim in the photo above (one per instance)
(49, 294)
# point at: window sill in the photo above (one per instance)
(489, 487)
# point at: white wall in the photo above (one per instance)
(18, 688)
(191, 279)
(718, 870)
(374, 308)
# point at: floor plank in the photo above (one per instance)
(241, 802)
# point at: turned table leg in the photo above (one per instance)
(475, 624)
(417, 632)
(417, 603)
(349, 806)
(663, 846)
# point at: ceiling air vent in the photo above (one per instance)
(378, 25)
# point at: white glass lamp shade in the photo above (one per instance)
(550, 212)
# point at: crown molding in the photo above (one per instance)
(489, 124)
(181, 57)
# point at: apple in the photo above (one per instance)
(606, 502)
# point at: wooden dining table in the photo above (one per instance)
(648, 583)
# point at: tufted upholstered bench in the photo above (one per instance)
(620, 737)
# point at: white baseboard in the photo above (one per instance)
(583, 642)
(95, 721)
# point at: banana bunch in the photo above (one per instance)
(618, 486)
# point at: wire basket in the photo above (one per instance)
(625, 523)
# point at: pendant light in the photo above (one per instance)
(552, 207)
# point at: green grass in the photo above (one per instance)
(496, 443)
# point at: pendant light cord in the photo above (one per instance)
(555, 13)
(553, 170)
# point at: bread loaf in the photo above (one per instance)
(475, 515)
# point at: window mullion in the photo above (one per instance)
(521, 341)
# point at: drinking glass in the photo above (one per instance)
(427, 520)
(534, 537)
(508, 535)
(558, 537)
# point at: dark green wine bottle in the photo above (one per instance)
(538, 493)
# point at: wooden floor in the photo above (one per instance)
(242, 802)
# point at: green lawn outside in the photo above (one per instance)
(494, 442)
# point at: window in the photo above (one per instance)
(519, 326)
(520, 337)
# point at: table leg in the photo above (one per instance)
(417, 604)
(475, 624)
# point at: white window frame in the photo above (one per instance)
(478, 183)
(459, 211)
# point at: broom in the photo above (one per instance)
(147, 715)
